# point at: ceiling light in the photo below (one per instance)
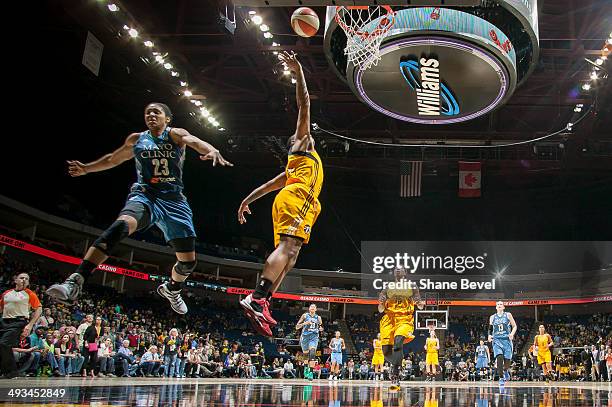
(133, 33)
(148, 44)
(264, 27)
(113, 7)
(188, 93)
(586, 86)
(256, 19)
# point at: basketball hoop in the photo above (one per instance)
(365, 28)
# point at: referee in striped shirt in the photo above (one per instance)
(16, 322)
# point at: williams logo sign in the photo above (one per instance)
(433, 97)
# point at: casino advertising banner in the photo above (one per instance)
(21, 245)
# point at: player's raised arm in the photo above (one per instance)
(274, 184)
(106, 162)
(302, 129)
(207, 151)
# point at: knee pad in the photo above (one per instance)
(183, 244)
(312, 354)
(185, 268)
(107, 241)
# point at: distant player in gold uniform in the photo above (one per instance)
(543, 342)
(432, 345)
(378, 359)
(397, 323)
(295, 209)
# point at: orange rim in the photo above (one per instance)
(385, 23)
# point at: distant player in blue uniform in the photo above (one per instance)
(336, 345)
(482, 359)
(502, 333)
(310, 324)
(156, 198)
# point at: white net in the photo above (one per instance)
(365, 29)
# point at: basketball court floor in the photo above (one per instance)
(274, 392)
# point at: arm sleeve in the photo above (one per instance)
(34, 301)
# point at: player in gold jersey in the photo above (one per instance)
(432, 345)
(295, 209)
(543, 342)
(378, 359)
(397, 323)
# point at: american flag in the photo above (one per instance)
(410, 178)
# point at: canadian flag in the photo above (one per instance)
(469, 179)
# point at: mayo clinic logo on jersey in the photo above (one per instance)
(307, 229)
(433, 96)
(164, 150)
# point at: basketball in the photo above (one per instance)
(305, 22)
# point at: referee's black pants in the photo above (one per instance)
(10, 331)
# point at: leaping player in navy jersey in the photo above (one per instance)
(156, 198)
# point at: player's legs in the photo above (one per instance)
(387, 333)
(175, 220)
(288, 267)
(278, 263)
(332, 368)
(507, 351)
(184, 266)
(134, 216)
(309, 346)
(338, 363)
(395, 359)
(498, 355)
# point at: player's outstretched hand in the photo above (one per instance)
(244, 207)
(216, 158)
(290, 59)
(76, 168)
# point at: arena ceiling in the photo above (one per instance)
(236, 73)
